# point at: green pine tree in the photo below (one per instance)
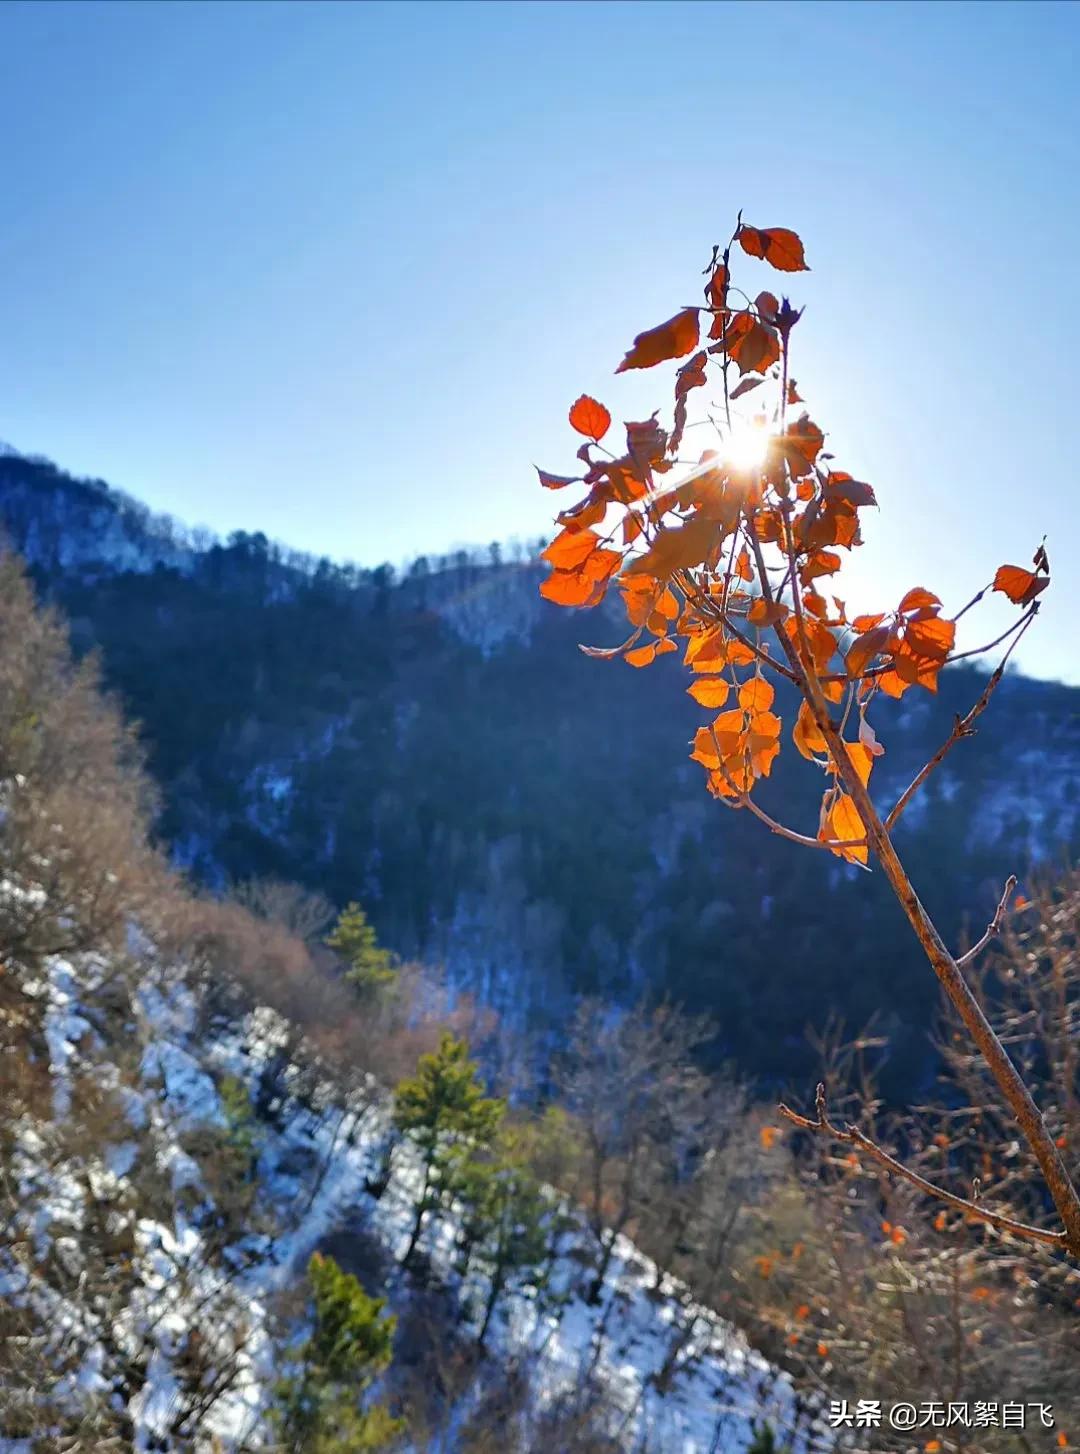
(320, 1406)
(444, 1110)
(504, 1222)
(370, 968)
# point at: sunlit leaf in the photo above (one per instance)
(709, 691)
(673, 339)
(777, 245)
(1021, 586)
(589, 417)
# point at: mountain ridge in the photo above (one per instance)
(433, 743)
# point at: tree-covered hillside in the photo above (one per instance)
(430, 744)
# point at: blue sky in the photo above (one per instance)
(337, 271)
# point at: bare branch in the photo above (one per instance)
(852, 1136)
(962, 727)
(993, 929)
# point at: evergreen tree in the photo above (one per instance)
(370, 967)
(505, 1217)
(444, 1110)
(320, 1407)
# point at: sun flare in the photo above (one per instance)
(746, 444)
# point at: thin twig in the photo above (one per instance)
(852, 1136)
(746, 801)
(993, 929)
(962, 727)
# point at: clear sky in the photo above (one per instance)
(337, 271)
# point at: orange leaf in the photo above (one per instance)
(917, 599)
(932, 638)
(843, 825)
(1021, 586)
(569, 588)
(864, 648)
(709, 691)
(824, 563)
(932, 1446)
(766, 613)
(571, 548)
(802, 1312)
(862, 759)
(823, 1350)
(769, 1135)
(806, 736)
(590, 418)
(673, 339)
(642, 656)
(756, 695)
(867, 623)
(676, 549)
(777, 245)
(940, 1222)
(753, 345)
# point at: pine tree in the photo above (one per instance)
(444, 1110)
(320, 1407)
(370, 967)
(505, 1217)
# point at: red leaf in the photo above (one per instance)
(571, 548)
(753, 345)
(840, 486)
(918, 599)
(777, 245)
(1021, 586)
(673, 339)
(589, 417)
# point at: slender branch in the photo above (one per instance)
(1019, 626)
(993, 929)
(1008, 1078)
(852, 1136)
(746, 801)
(962, 727)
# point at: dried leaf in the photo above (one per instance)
(556, 482)
(777, 245)
(843, 825)
(673, 339)
(676, 548)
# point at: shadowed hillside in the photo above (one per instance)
(432, 744)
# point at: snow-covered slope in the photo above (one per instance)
(674, 1377)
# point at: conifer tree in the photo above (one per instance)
(320, 1406)
(504, 1221)
(370, 967)
(444, 1110)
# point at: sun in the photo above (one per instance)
(746, 444)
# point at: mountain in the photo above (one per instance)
(432, 743)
